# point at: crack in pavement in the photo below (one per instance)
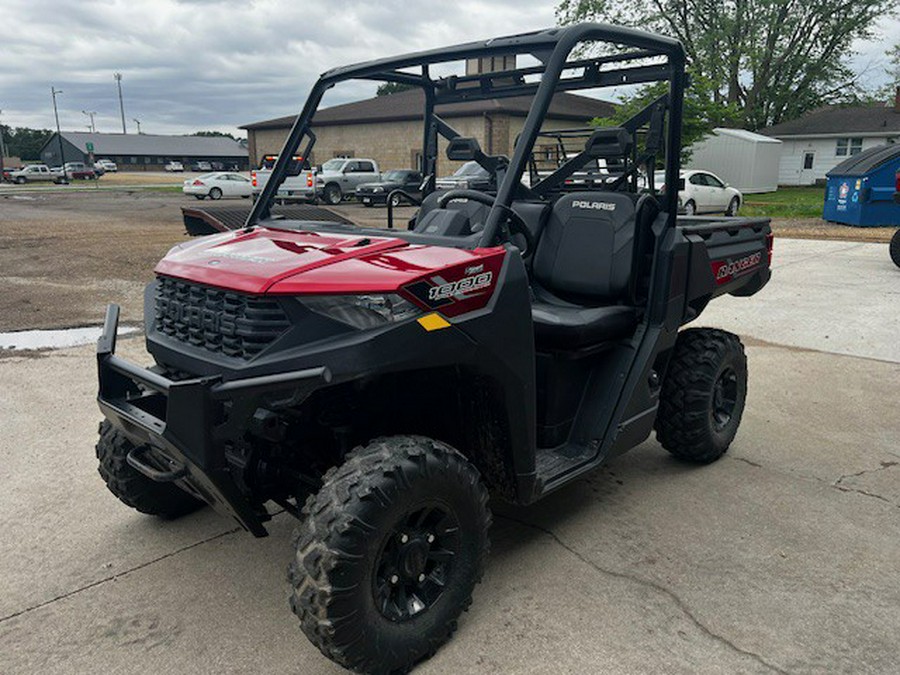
(679, 603)
(114, 577)
(838, 484)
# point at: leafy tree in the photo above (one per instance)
(392, 88)
(24, 142)
(214, 134)
(772, 59)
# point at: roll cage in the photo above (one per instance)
(641, 58)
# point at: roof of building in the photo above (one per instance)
(410, 104)
(744, 135)
(156, 145)
(867, 160)
(846, 120)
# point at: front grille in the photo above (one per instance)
(222, 322)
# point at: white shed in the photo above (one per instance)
(743, 159)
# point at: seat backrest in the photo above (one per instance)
(587, 247)
(476, 212)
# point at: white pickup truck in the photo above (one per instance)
(339, 177)
(299, 185)
(35, 172)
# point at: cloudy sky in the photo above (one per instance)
(216, 64)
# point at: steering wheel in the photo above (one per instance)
(516, 226)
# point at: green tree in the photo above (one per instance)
(771, 59)
(392, 88)
(24, 142)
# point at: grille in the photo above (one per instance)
(222, 322)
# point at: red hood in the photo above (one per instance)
(291, 262)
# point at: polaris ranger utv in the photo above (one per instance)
(377, 383)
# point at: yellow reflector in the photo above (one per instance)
(433, 321)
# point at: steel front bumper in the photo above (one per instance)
(185, 426)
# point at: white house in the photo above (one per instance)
(815, 143)
(743, 159)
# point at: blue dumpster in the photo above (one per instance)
(860, 190)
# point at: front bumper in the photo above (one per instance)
(190, 423)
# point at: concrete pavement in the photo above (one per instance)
(784, 556)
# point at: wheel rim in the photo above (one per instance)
(334, 195)
(724, 401)
(689, 208)
(732, 207)
(395, 201)
(416, 562)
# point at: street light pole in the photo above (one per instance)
(54, 92)
(118, 78)
(91, 113)
(138, 122)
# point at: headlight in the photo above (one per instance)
(362, 311)
(378, 189)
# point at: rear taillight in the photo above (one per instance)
(770, 241)
(309, 180)
(198, 182)
(253, 178)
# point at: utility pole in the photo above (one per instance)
(91, 113)
(138, 122)
(54, 93)
(118, 77)
(2, 150)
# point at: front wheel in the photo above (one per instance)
(690, 208)
(333, 194)
(21, 180)
(389, 552)
(133, 488)
(703, 395)
(733, 207)
(895, 248)
(395, 201)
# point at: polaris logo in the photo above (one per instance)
(464, 285)
(597, 206)
(195, 317)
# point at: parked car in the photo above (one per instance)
(704, 192)
(377, 192)
(106, 165)
(298, 185)
(201, 166)
(340, 176)
(36, 172)
(470, 176)
(174, 167)
(76, 171)
(217, 185)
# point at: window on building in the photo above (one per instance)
(848, 146)
(808, 160)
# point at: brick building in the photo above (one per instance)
(389, 130)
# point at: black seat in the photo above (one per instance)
(584, 276)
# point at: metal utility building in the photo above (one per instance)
(144, 152)
(743, 159)
(860, 190)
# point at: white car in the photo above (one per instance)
(217, 185)
(704, 192)
(106, 165)
(174, 166)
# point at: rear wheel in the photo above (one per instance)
(703, 395)
(389, 553)
(733, 207)
(215, 193)
(895, 248)
(200, 197)
(333, 194)
(133, 488)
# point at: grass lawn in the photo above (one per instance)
(787, 202)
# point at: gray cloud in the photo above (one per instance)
(199, 64)
(216, 64)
